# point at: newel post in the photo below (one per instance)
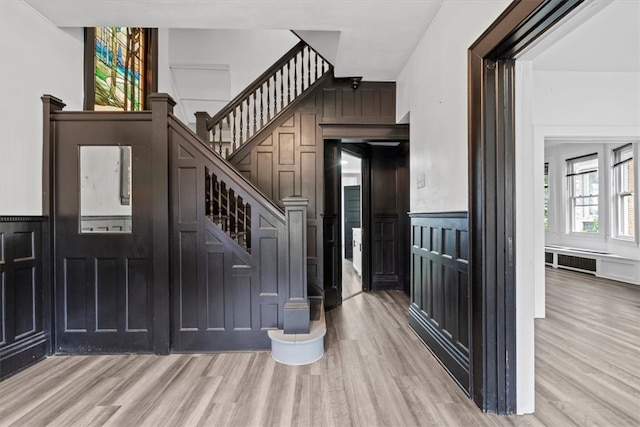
(201, 125)
(296, 309)
(161, 106)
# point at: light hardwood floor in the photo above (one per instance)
(351, 282)
(375, 372)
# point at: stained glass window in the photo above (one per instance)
(120, 68)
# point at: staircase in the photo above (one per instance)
(263, 102)
(229, 269)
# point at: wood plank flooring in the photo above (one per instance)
(351, 282)
(375, 373)
(588, 352)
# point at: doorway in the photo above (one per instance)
(384, 225)
(351, 224)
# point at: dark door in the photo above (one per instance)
(389, 219)
(351, 217)
(103, 232)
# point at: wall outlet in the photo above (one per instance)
(421, 180)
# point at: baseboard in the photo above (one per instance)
(22, 354)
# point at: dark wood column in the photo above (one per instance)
(296, 309)
(161, 106)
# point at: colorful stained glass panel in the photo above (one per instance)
(119, 68)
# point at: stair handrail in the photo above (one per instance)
(231, 105)
(230, 172)
(266, 97)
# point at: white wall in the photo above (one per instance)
(433, 88)
(209, 67)
(586, 98)
(36, 58)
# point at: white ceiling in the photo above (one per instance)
(376, 37)
(368, 38)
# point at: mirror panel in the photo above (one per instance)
(105, 189)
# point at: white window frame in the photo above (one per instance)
(619, 194)
(573, 200)
(547, 197)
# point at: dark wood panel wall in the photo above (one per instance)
(225, 297)
(116, 293)
(287, 157)
(440, 289)
(24, 319)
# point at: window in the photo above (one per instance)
(119, 68)
(546, 197)
(623, 191)
(582, 173)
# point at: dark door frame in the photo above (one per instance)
(350, 137)
(491, 65)
(332, 218)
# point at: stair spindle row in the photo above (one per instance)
(245, 116)
(228, 210)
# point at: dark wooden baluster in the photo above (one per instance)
(247, 227)
(233, 146)
(236, 218)
(212, 144)
(289, 83)
(308, 67)
(229, 192)
(219, 186)
(229, 127)
(212, 183)
(207, 192)
(295, 76)
(221, 127)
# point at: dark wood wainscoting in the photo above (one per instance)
(226, 294)
(440, 289)
(24, 331)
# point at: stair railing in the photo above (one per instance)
(262, 100)
(227, 210)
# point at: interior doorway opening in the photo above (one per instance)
(351, 224)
